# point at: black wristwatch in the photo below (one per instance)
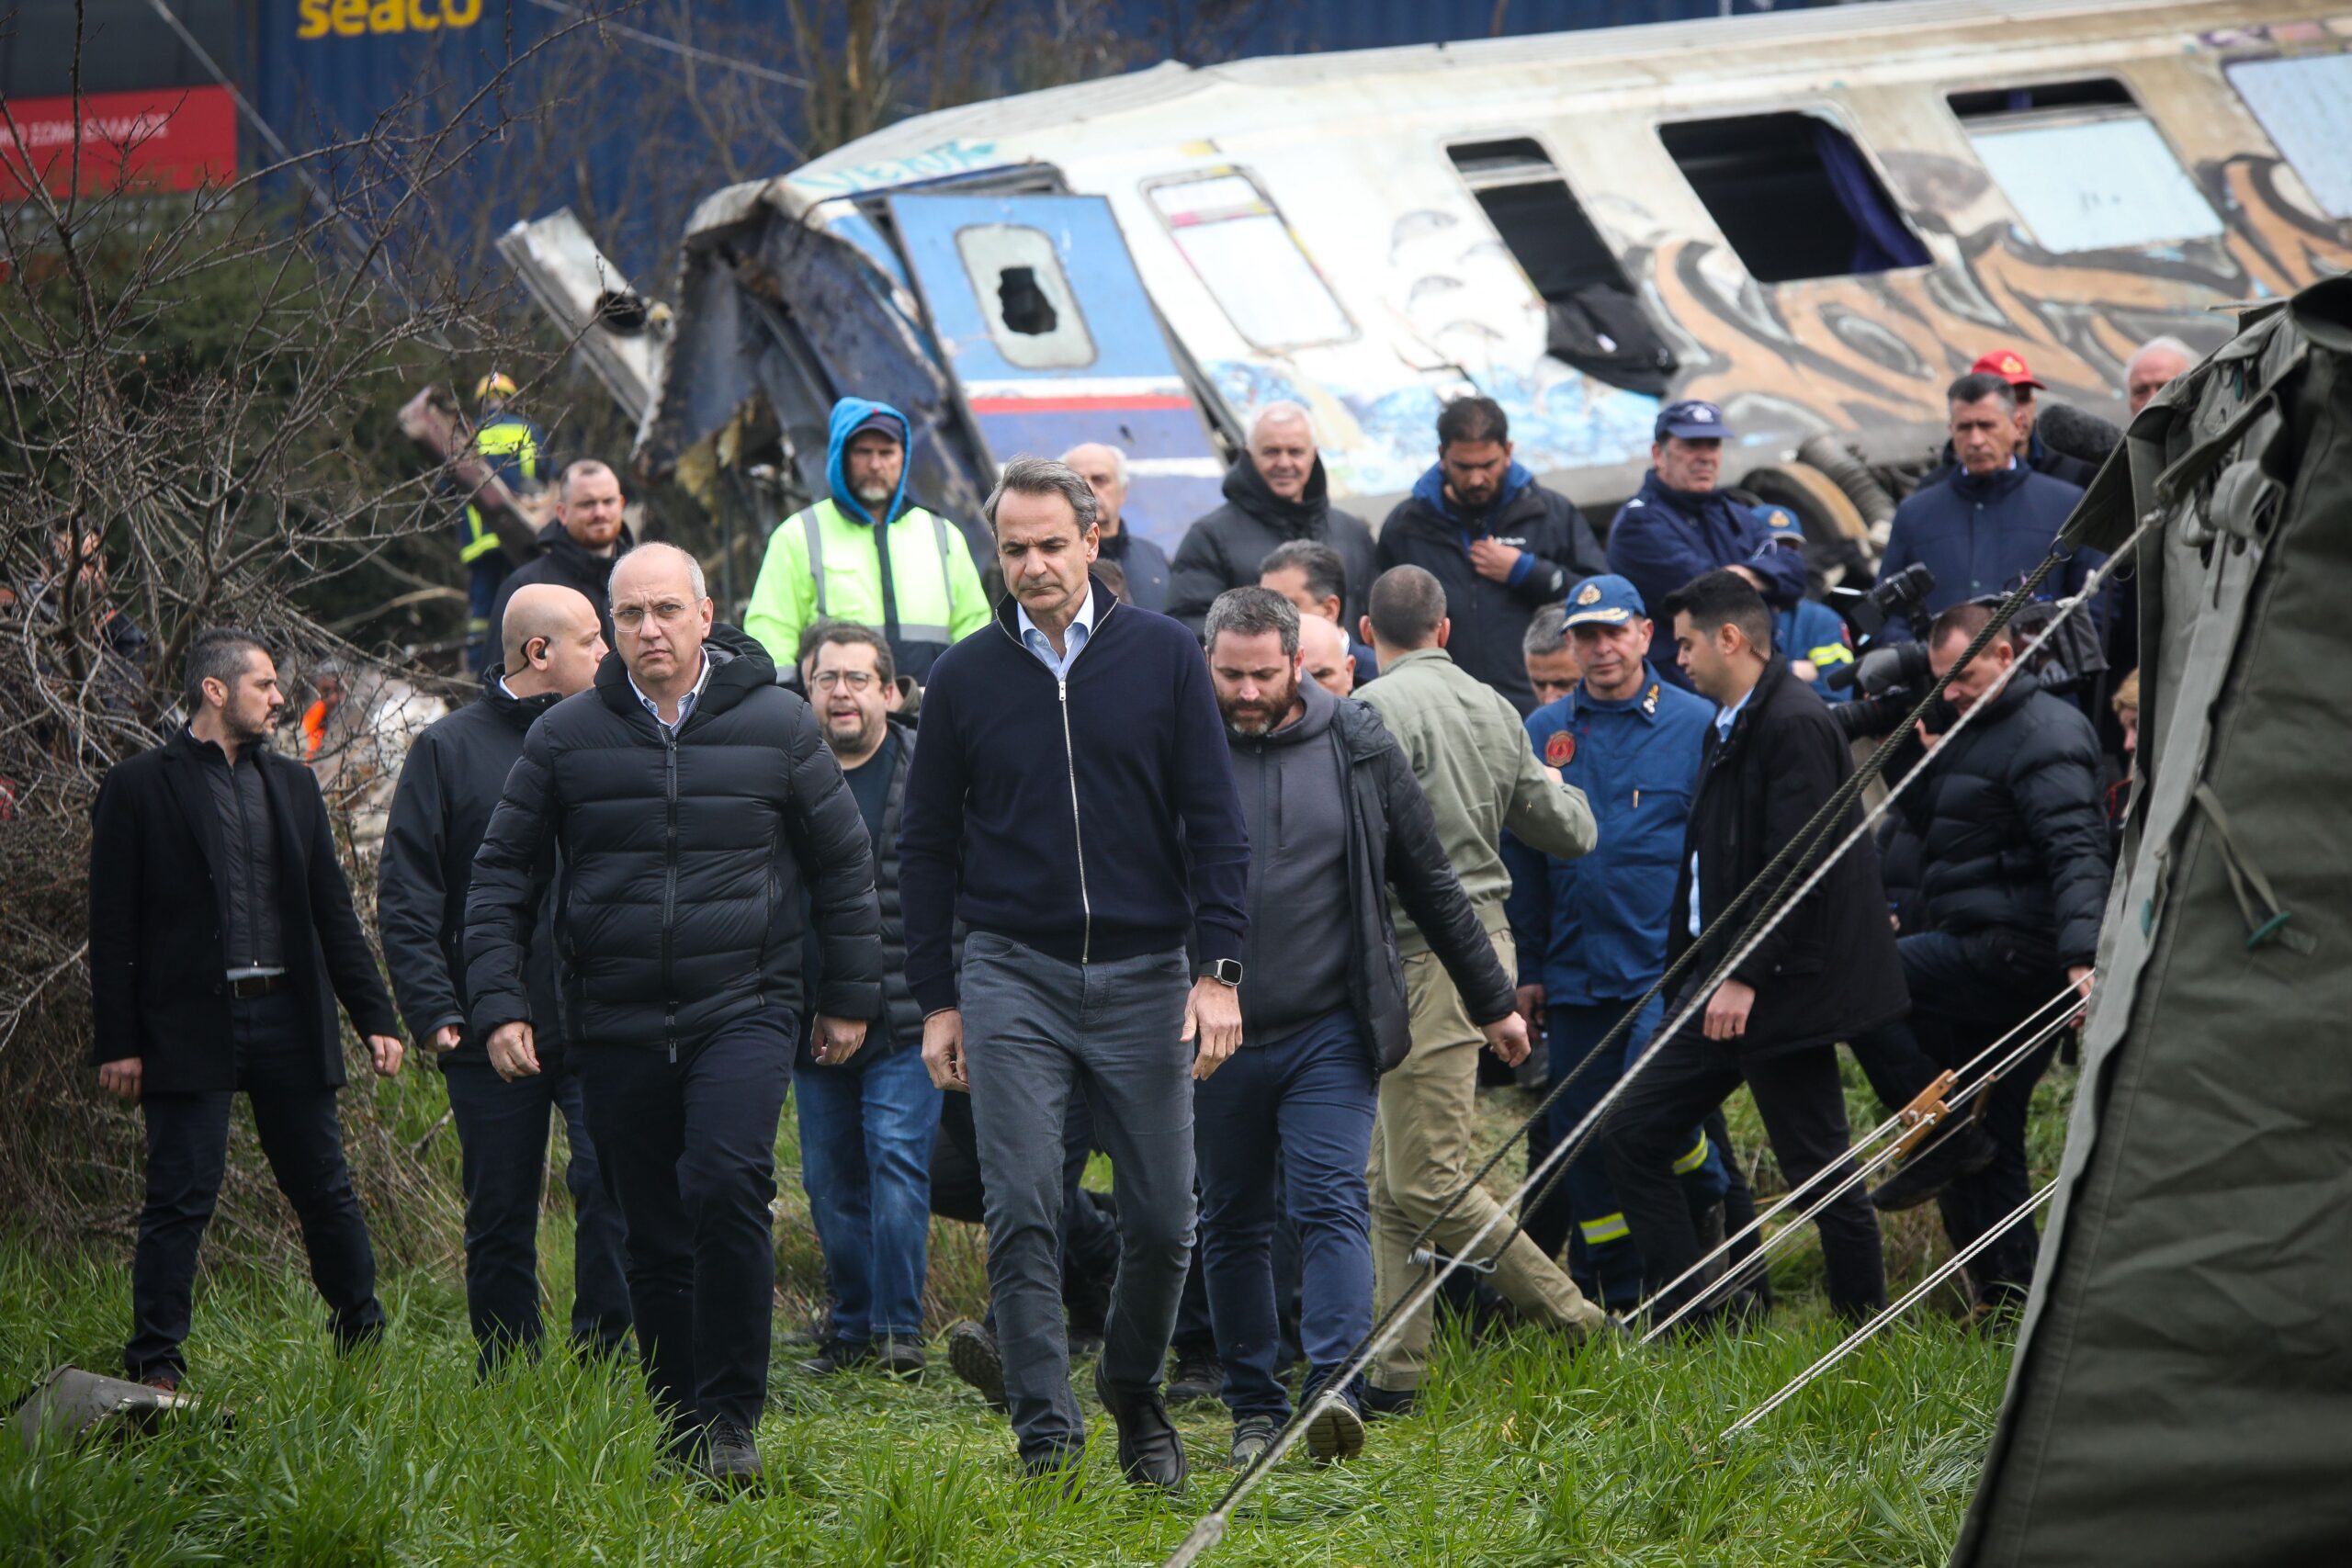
(1224, 971)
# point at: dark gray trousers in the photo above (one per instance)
(1037, 1030)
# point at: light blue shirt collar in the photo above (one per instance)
(1725, 719)
(1073, 639)
(686, 703)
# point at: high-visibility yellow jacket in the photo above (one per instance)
(823, 563)
(513, 447)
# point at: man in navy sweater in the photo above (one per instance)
(1073, 804)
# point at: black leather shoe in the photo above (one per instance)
(1151, 1451)
(1959, 1151)
(972, 1356)
(1380, 1404)
(731, 1459)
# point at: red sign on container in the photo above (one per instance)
(161, 139)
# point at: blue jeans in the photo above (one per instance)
(866, 1129)
(502, 1134)
(1602, 1259)
(689, 1146)
(1299, 1108)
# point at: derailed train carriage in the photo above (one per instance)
(1815, 218)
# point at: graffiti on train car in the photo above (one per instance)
(1842, 353)
(1855, 353)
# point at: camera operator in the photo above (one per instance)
(2011, 853)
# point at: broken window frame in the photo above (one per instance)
(1535, 169)
(2055, 230)
(1822, 113)
(2331, 188)
(1246, 322)
(1053, 349)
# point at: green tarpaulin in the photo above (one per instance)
(2182, 1392)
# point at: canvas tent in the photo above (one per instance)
(2182, 1391)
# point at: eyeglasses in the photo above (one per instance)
(833, 680)
(670, 612)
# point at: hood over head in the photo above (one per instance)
(849, 415)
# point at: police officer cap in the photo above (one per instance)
(1781, 524)
(1693, 421)
(1603, 601)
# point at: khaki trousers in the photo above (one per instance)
(1422, 1149)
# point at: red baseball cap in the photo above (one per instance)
(2008, 367)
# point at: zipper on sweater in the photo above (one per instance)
(669, 882)
(1070, 755)
(1077, 834)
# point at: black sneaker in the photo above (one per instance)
(1380, 1404)
(1336, 1433)
(1252, 1435)
(972, 1356)
(901, 1359)
(838, 1354)
(1957, 1152)
(730, 1457)
(1200, 1377)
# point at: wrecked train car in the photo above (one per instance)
(1814, 218)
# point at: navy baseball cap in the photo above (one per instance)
(1691, 420)
(880, 421)
(1603, 601)
(1783, 526)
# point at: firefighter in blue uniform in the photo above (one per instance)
(1592, 932)
(1811, 633)
(516, 452)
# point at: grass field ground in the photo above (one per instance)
(1524, 1453)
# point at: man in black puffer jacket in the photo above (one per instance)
(1276, 491)
(2012, 852)
(450, 785)
(1501, 544)
(690, 797)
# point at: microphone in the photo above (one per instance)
(2076, 434)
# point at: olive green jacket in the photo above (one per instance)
(1470, 752)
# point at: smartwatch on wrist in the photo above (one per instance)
(1224, 971)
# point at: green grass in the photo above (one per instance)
(1524, 1452)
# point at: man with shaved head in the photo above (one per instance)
(1328, 663)
(1145, 564)
(448, 787)
(697, 813)
(577, 549)
(1274, 492)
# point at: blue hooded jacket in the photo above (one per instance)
(848, 415)
(1429, 490)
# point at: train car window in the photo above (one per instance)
(1595, 320)
(2305, 105)
(2083, 165)
(1249, 260)
(1794, 196)
(1033, 319)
